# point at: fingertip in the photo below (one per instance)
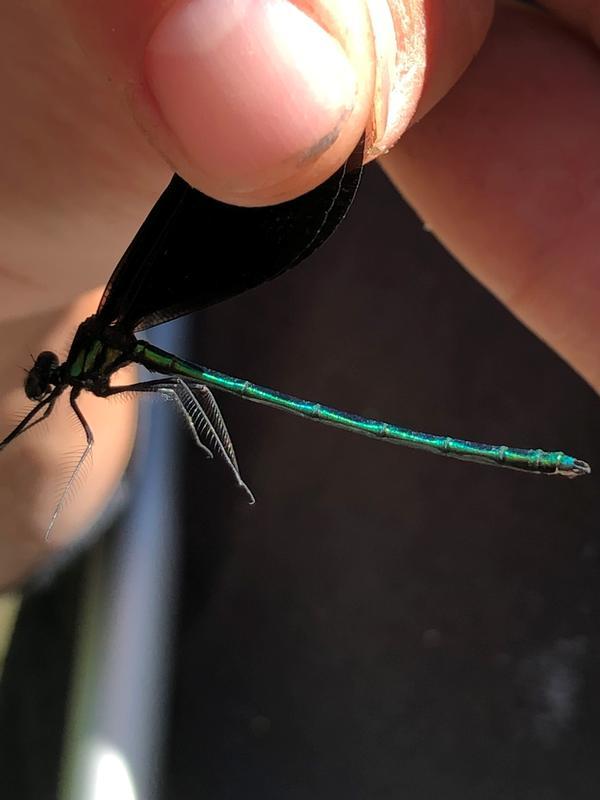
(252, 101)
(260, 100)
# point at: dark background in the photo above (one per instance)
(383, 623)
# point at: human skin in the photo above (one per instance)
(496, 129)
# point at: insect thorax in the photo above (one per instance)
(97, 351)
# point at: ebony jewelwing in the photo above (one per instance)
(193, 251)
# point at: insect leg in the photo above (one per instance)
(215, 427)
(202, 415)
(28, 421)
(166, 387)
(206, 399)
(89, 443)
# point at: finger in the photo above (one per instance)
(77, 172)
(256, 101)
(241, 95)
(435, 42)
(505, 171)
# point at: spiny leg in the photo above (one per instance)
(89, 439)
(160, 387)
(206, 399)
(207, 423)
(201, 395)
(216, 429)
(28, 421)
(204, 423)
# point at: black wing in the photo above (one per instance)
(193, 251)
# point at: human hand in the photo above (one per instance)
(246, 116)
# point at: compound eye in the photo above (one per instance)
(46, 363)
(35, 389)
(40, 377)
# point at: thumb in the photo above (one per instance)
(257, 101)
(253, 101)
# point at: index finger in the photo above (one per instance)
(505, 171)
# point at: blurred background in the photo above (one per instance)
(382, 623)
